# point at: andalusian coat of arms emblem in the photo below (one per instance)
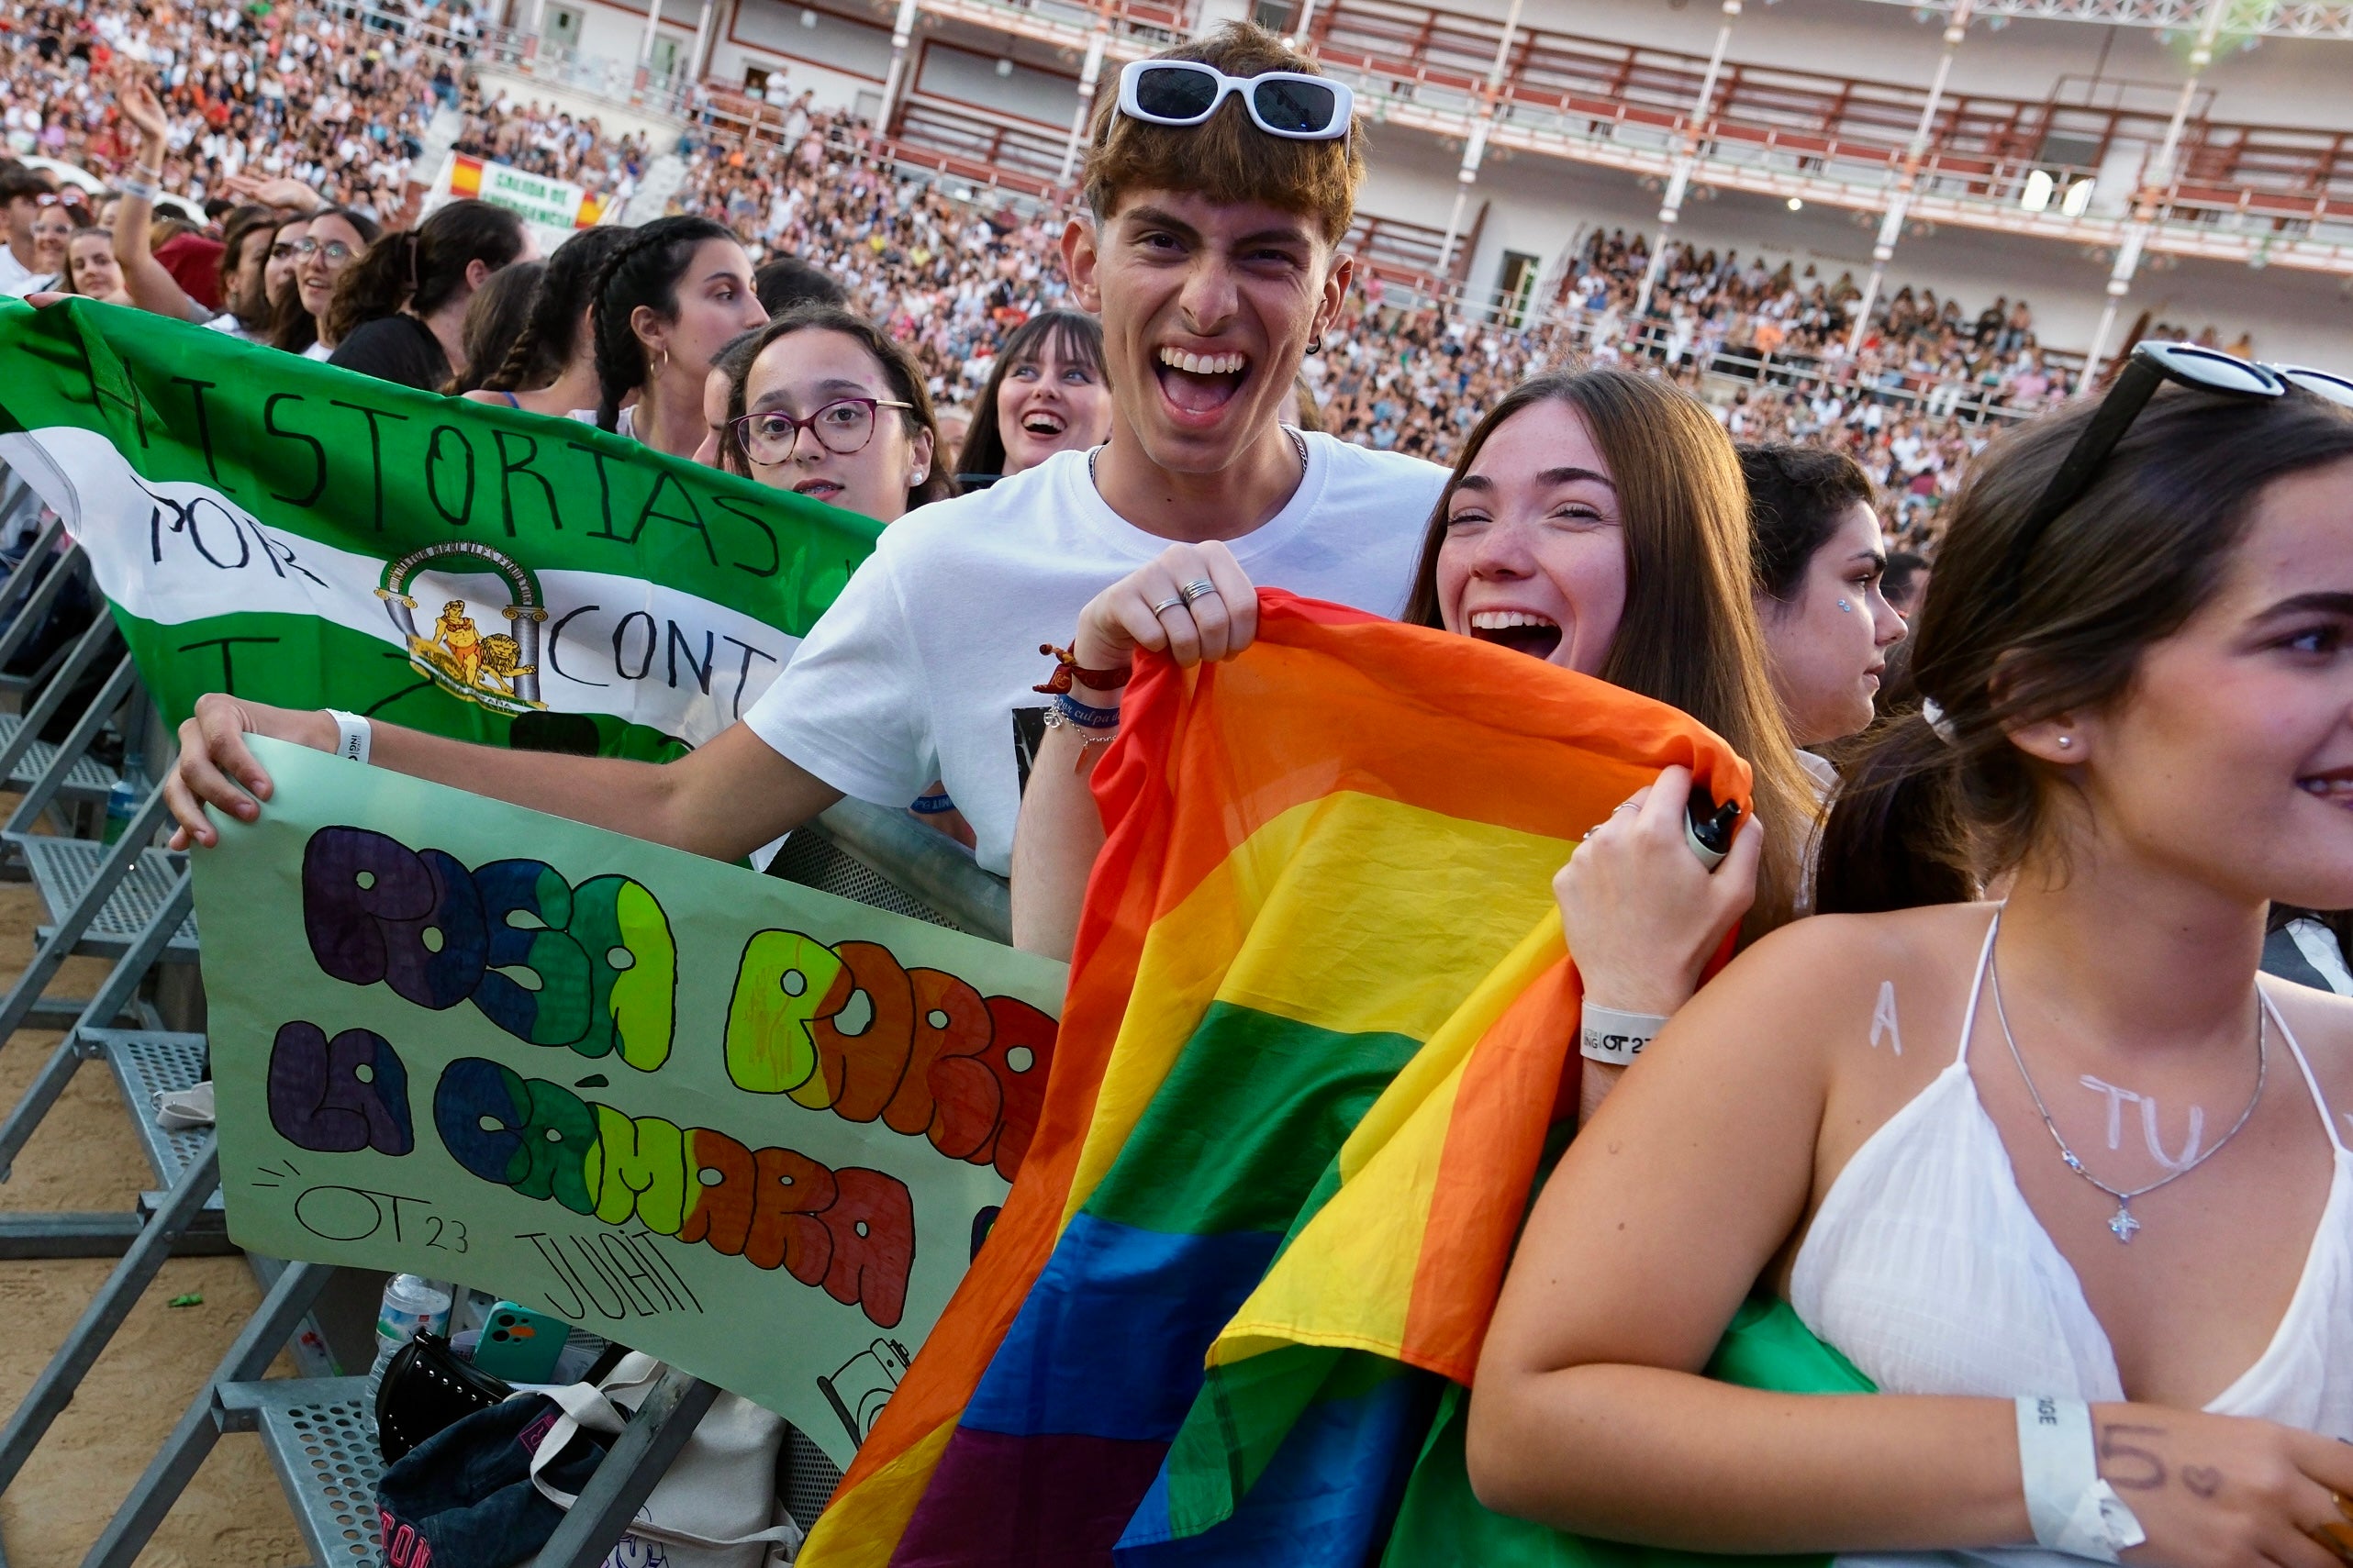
(500, 670)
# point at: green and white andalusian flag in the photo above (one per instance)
(267, 526)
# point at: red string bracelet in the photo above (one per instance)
(1067, 668)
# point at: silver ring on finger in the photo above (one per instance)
(1199, 588)
(1176, 603)
(1628, 805)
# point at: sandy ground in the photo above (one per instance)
(84, 1157)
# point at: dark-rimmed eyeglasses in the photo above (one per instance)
(843, 427)
(2149, 367)
(335, 250)
(1288, 103)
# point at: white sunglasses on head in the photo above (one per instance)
(1288, 104)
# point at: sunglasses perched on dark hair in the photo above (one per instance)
(2150, 366)
(1288, 104)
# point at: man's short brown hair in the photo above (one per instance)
(1227, 158)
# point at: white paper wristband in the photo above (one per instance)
(352, 735)
(1615, 1038)
(2072, 1510)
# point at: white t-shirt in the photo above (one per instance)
(226, 322)
(16, 280)
(921, 670)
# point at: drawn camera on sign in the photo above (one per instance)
(863, 1383)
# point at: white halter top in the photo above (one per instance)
(1927, 1269)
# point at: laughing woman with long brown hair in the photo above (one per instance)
(1596, 521)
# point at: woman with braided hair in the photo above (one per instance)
(494, 319)
(550, 367)
(667, 300)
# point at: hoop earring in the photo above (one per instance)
(661, 365)
(1315, 344)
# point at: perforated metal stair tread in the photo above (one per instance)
(144, 1062)
(61, 868)
(88, 779)
(311, 1430)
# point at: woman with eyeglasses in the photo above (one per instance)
(2063, 1178)
(53, 230)
(330, 242)
(824, 403)
(829, 407)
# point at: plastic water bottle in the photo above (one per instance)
(410, 1304)
(122, 805)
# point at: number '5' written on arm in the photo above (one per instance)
(930, 1056)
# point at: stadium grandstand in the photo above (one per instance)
(1896, 255)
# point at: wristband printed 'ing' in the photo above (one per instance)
(352, 736)
(1615, 1038)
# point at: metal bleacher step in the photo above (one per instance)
(147, 1060)
(144, 1062)
(87, 780)
(61, 868)
(325, 1459)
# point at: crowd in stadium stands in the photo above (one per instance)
(252, 94)
(949, 279)
(544, 139)
(340, 102)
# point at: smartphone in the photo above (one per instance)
(1709, 827)
(521, 1345)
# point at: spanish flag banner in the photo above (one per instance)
(1317, 1031)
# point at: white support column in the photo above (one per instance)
(653, 26)
(691, 73)
(902, 33)
(1300, 39)
(1685, 159)
(538, 20)
(1475, 146)
(1090, 76)
(1900, 203)
(2155, 186)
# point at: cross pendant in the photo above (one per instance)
(2122, 1224)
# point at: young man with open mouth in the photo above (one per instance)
(1220, 181)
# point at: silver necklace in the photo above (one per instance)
(1299, 445)
(2123, 1223)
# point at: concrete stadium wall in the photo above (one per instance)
(838, 53)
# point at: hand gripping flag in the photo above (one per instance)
(1317, 1029)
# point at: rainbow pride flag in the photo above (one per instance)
(1317, 1029)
